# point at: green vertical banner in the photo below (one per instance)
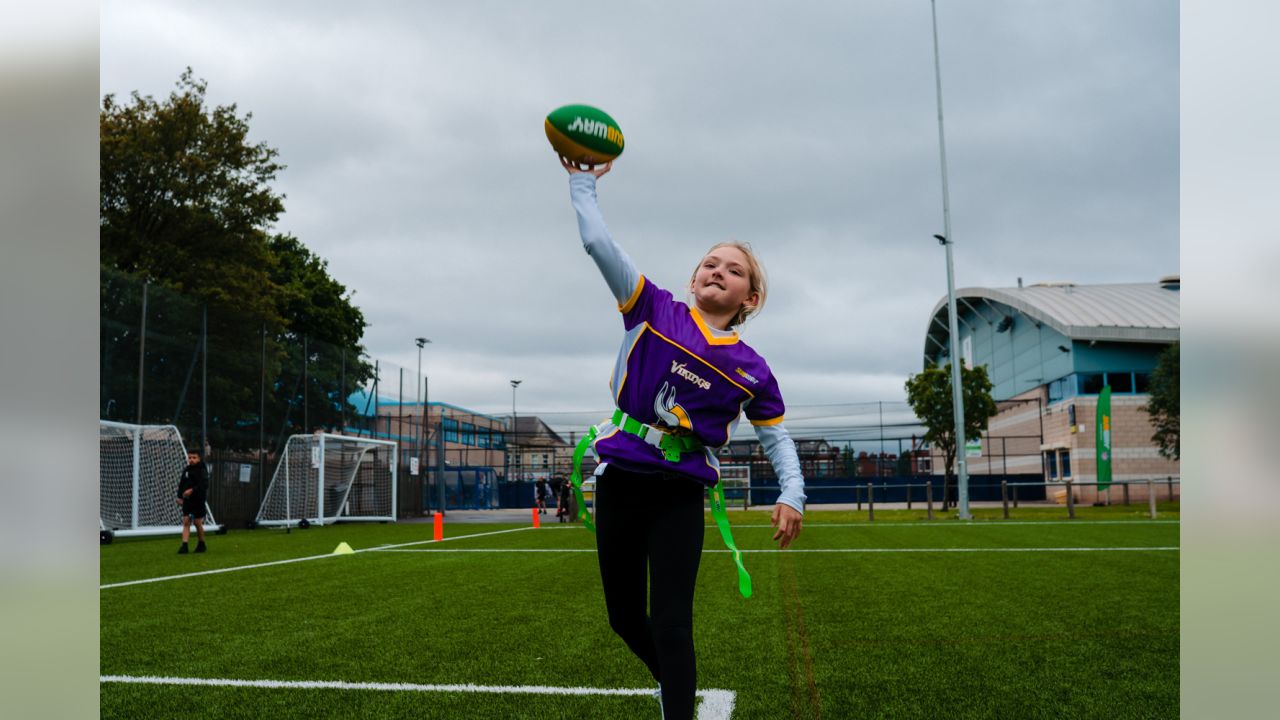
(1104, 438)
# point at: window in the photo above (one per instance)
(483, 437)
(499, 441)
(450, 430)
(1060, 389)
(1064, 457)
(1141, 382)
(1120, 382)
(468, 434)
(1089, 383)
(1051, 465)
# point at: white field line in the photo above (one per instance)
(716, 704)
(296, 560)
(1166, 548)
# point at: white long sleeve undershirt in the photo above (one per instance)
(621, 275)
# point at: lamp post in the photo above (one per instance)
(957, 401)
(422, 440)
(510, 441)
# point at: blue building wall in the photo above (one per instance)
(1027, 354)
(1103, 357)
(1022, 357)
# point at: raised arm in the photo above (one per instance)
(618, 270)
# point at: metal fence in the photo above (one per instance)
(239, 389)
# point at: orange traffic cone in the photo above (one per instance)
(439, 529)
(536, 523)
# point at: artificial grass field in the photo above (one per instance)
(982, 629)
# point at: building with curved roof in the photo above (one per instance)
(1049, 349)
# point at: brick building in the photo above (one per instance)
(1049, 349)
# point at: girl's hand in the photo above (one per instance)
(787, 521)
(597, 170)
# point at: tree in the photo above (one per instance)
(320, 316)
(1165, 403)
(930, 397)
(848, 464)
(185, 199)
(187, 206)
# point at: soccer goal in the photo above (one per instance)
(139, 467)
(324, 478)
(737, 484)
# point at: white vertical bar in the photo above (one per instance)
(395, 487)
(137, 474)
(320, 493)
(288, 505)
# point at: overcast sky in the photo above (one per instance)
(417, 164)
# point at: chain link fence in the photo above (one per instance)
(239, 389)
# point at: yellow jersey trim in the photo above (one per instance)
(706, 331)
(765, 423)
(635, 295)
(699, 359)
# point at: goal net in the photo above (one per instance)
(737, 484)
(327, 478)
(139, 468)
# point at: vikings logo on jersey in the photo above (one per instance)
(669, 411)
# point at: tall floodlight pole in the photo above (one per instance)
(422, 436)
(514, 384)
(957, 400)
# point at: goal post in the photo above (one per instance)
(139, 468)
(325, 478)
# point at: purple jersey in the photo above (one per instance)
(674, 371)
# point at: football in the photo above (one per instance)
(583, 134)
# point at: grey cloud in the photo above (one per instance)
(417, 164)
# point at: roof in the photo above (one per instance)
(362, 400)
(1128, 312)
(532, 431)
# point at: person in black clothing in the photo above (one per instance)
(562, 504)
(193, 489)
(541, 486)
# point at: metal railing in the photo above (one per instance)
(865, 494)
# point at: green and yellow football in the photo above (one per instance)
(584, 134)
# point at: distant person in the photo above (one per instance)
(682, 379)
(541, 486)
(562, 502)
(193, 491)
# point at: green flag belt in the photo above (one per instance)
(672, 447)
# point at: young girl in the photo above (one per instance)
(680, 383)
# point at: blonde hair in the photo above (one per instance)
(755, 276)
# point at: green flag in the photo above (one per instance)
(1104, 438)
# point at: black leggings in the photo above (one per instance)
(649, 526)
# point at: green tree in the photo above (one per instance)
(929, 394)
(1165, 404)
(903, 468)
(187, 206)
(185, 199)
(848, 462)
(322, 319)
